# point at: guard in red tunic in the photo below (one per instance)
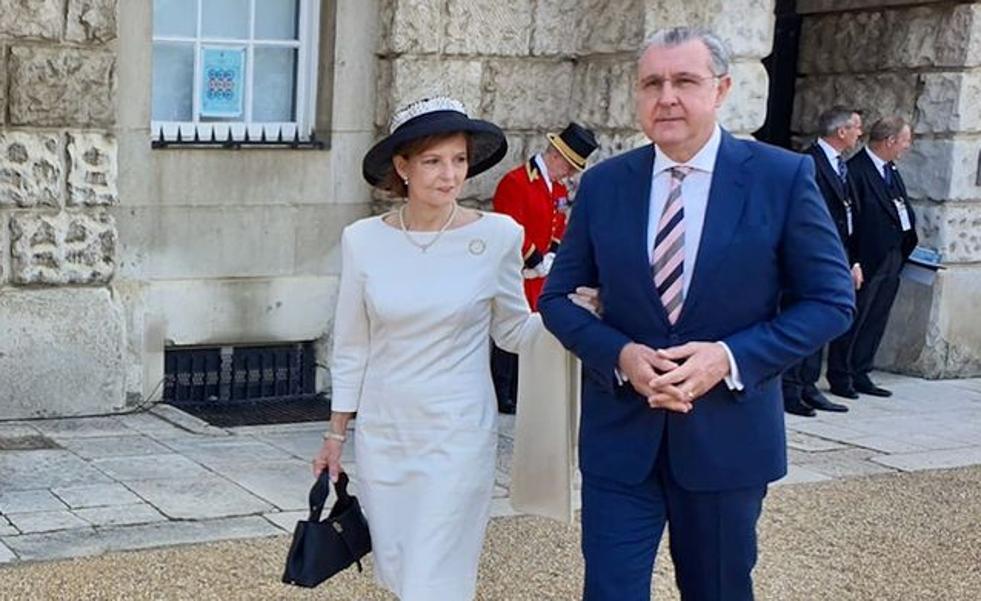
(534, 195)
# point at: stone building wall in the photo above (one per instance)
(110, 251)
(531, 66)
(922, 62)
(225, 247)
(61, 328)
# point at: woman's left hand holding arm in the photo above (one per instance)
(587, 298)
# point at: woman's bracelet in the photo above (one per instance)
(330, 435)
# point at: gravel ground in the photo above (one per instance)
(898, 536)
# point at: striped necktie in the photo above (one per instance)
(669, 248)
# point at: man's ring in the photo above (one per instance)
(691, 395)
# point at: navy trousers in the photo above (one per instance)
(712, 537)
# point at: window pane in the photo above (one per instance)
(175, 17)
(225, 19)
(276, 19)
(173, 81)
(274, 84)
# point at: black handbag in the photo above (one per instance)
(321, 549)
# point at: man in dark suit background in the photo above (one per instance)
(691, 240)
(839, 129)
(886, 227)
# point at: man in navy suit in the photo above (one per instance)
(691, 241)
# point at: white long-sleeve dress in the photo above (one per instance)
(411, 356)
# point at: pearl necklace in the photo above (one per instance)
(424, 246)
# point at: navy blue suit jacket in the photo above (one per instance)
(767, 230)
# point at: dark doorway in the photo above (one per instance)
(781, 66)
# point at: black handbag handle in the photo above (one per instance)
(340, 487)
(320, 492)
(318, 498)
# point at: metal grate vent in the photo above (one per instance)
(245, 385)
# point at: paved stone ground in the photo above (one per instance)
(162, 478)
(903, 536)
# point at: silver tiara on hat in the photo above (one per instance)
(421, 107)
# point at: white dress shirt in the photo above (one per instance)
(694, 196)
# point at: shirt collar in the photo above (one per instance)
(540, 161)
(704, 159)
(830, 151)
(879, 163)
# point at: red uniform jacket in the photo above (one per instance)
(523, 194)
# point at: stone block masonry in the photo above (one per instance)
(922, 62)
(58, 178)
(57, 86)
(531, 66)
(63, 248)
(32, 170)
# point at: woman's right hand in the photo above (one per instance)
(329, 458)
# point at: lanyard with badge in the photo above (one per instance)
(843, 178)
(904, 221)
(898, 201)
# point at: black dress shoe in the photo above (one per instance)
(846, 393)
(798, 407)
(815, 399)
(871, 389)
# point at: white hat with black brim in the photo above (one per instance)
(435, 116)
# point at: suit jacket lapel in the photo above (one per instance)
(900, 183)
(827, 171)
(727, 197)
(878, 185)
(638, 199)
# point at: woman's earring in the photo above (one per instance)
(406, 180)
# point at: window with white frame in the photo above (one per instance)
(234, 69)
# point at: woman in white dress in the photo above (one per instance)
(422, 289)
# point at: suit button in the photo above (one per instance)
(674, 338)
